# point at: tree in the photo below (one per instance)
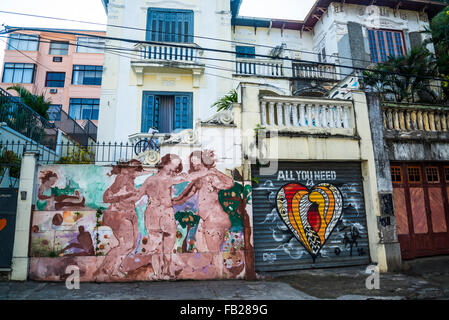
(406, 78)
(439, 30)
(36, 102)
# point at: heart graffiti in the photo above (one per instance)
(311, 215)
(2, 224)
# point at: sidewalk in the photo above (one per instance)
(426, 278)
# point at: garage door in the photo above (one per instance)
(309, 215)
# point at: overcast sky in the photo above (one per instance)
(93, 11)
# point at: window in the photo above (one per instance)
(167, 112)
(170, 25)
(54, 112)
(245, 52)
(83, 109)
(384, 44)
(59, 48)
(87, 75)
(432, 175)
(23, 42)
(90, 45)
(55, 79)
(414, 174)
(18, 72)
(396, 174)
(322, 55)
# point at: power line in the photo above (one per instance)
(176, 34)
(220, 51)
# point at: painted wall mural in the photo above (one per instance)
(309, 215)
(128, 223)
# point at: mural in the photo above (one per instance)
(309, 215)
(129, 223)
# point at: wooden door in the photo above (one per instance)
(421, 204)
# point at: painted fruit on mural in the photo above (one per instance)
(129, 223)
(311, 215)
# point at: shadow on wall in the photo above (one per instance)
(131, 223)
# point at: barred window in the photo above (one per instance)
(384, 44)
(414, 174)
(432, 175)
(396, 174)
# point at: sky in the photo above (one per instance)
(93, 11)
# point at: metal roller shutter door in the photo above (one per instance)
(329, 228)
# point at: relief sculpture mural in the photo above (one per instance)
(127, 222)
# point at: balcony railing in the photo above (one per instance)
(306, 113)
(415, 118)
(183, 53)
(315, 71)
(26, 121)
(260, 67)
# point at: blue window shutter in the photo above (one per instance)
(168, 25)
(148, 112)
(245, 52)
(183, 112)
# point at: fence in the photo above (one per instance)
(26, 121)
(73, 153)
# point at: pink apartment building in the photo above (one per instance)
(66, 68)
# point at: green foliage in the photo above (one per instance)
(225, 103)
(78, 155)
(8, 159)
(36, 102)
(439, 30)
(406, 78)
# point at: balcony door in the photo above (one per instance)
(167, 112)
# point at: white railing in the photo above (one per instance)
(260, 67)
(180, 53)
(315, 71)
(306, 113)
(415, 118)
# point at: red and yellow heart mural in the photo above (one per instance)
(310, 214)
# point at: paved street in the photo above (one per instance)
(426, 278)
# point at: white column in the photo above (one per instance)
(20, 260)
(279, 113)
(271, 114)
(263, 106)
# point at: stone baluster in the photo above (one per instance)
(302, 115)
(443, 121)
(396, 119)
(287, 114)
(316, 113)
(346, 117)
(338, 122)
(437, 121)
(324, 113)
(271, 113)
(426, 121)
(331, 116)
(295, 114)
(401, 120)
(431, 115)
(263, 112)
(309, 119)
(280, 121)
(408, 124)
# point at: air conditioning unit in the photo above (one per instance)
(53, 91)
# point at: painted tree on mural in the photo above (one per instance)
(189, 220)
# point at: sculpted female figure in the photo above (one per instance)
(121, 216)
(207, 181)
